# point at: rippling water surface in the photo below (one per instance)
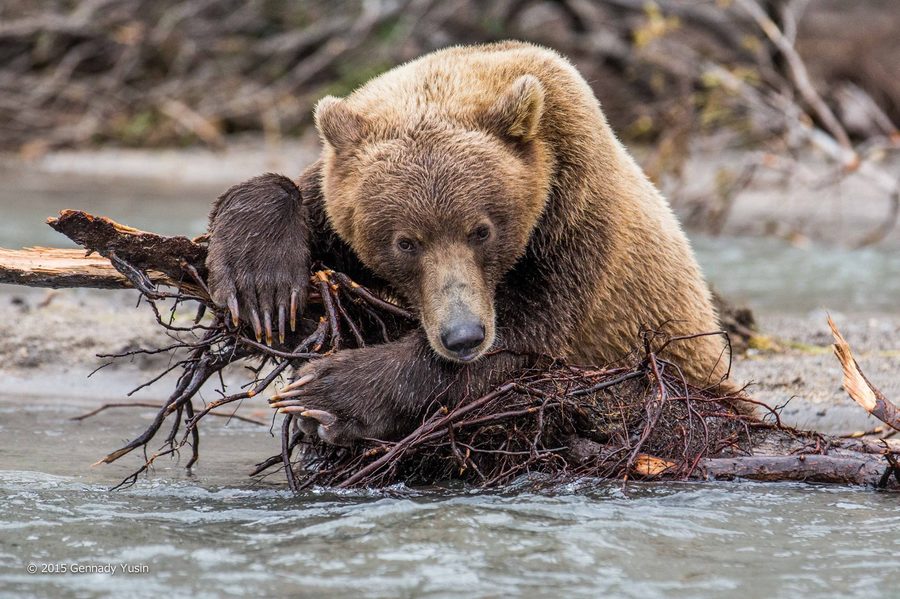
(218, 533)
(689, 541)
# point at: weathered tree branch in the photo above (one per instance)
(866, 470)
(180, 261)
(55, 268)
(858, 386)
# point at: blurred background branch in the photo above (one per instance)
(781, 77)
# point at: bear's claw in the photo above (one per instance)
(314, 422)
(280, 396)
(284, 404)
(281, 323)
(294, 300)
(267, 321)
(292, 390)
(257, 326)
(233, 308)
(321, 416)
(306, 378)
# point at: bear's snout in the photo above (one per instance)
(461, 336)
(457, 303)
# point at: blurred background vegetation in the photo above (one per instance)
(781, 76)
(160, 72)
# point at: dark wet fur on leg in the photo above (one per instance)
(259, 253)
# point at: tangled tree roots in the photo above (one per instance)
(566, 423)
(556, 422)
(562, 422)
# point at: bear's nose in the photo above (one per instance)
(464, 336)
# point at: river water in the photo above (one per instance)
(218, 533)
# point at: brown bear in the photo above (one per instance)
(484, 187)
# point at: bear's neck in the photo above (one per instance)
(598, 197)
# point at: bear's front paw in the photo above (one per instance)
(330, 397)
(258, 256)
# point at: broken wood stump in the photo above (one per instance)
(173, 261)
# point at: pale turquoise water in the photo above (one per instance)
(772, 276)
(28, 198)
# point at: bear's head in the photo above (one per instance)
(440, 208)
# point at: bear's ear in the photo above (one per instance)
(517, 113)
(338, 126)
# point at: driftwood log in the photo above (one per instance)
(553, 423)
(53, 267)
(163, 259)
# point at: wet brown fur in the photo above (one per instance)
(583, 251)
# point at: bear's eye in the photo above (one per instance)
(406, 245)
(481, 233)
